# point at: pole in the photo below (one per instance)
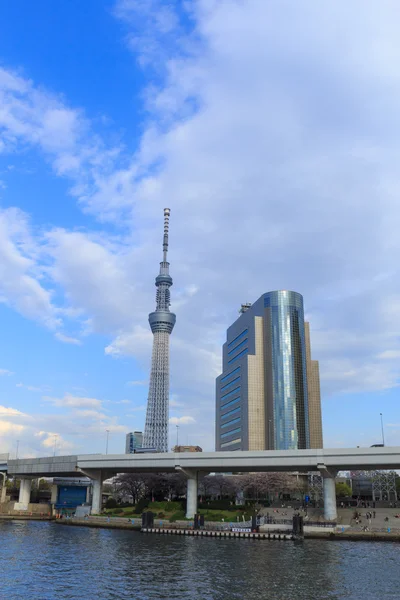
(177, 435)
(270, 446)
(383, 435)
(107, 432)
(55, 444)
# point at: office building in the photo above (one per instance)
(133, 441)
(267, 396)
(314, 394)
(187, 449)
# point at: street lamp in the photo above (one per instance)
(383, 435)
(107, 432)
(55, 443)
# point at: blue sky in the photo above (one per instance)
(274, 140)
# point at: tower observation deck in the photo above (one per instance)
(162, 322)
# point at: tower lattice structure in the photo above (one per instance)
(162, 322)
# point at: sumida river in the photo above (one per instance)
(46, 561)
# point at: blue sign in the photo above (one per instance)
(307, 498)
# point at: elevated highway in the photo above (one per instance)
(100, 467)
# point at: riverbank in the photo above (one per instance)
(101, 522)
(324, 534)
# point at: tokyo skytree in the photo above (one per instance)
(162, 322)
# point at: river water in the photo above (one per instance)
(46, 561)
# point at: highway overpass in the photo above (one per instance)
(100, 467)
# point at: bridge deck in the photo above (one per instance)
(340, 459)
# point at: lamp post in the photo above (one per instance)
(383, 435)
(55, 444)
(177, 436)
(107, 432)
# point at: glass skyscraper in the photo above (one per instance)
(133, 440)
(267, 396)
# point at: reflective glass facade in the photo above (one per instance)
(264, 382)
(289, 371)
(133, 440)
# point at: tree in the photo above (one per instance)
(343, 490)
(259, 485)
(160, 486)
(130, 484)
(220, 485)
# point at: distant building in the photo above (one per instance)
(133, 441)
(268, 395)
(187, 449)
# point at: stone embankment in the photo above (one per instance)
(38, 512)
(336, 533)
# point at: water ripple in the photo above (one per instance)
(46, 561)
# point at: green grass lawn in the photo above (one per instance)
(173, 511)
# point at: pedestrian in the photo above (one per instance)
(374, 513)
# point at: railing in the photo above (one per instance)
(271, 521)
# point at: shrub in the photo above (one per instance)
(111, 503)
(161, 515)
(220, 505)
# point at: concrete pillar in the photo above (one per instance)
(328, 475)
(3, 489)
(191, 491)
(330, 511)
(97, 491)
(97, 476)
(191, 496)
(24, 493)
(54, 494)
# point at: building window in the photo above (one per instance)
(230, 403)
(237, 347)
(230, 423)
(229, 374)
(237, 441)
(238, 337)
(238, 356)
(224, 435)
(229, 394)
(230, 383)
(231, 413)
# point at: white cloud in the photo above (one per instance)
(67, 339)
(139, 408)
(185, 420)
(8, 411)
(389, 354)
(5, 372)
(137, 382)
(10, 429)
(33, 388)
(74, 401)
(20, 287)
